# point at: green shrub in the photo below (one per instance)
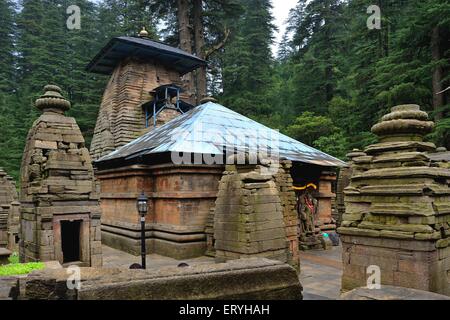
(14, 258)
(16, 268)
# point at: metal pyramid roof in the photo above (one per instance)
(119, 48)
(210, 129)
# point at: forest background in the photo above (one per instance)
(334, 75)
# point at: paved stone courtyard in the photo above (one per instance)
(321, 273)
(320, 276)
(113, 258)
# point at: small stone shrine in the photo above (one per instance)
(60, 212)
(397, 208)
(254, 216)
(9, 212)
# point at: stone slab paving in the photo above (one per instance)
(113, 258)
(321, 272)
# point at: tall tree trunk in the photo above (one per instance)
(199, 49)
(438, 99)
(185, 39)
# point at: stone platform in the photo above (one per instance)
(248, 279)
(320, 276)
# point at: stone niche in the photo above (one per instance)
(9, 212)
(60, 212)
(255, 215)
(397, 208)
(180, 197)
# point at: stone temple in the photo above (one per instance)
(59, 207)
(221, 187)
(181, 166)
(397, 208)
(146, 114)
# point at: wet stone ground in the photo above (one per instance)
(320, 270)
(321, 273)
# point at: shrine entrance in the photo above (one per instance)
(70, 240)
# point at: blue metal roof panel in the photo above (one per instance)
(210, 128)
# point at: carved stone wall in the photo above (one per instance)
(9, 212)
(121, 118)
(59, 210)
(397, 208)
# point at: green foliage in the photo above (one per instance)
(308, 127)
(48, 52)
(14, 269)
(14, 258)
(247, 61)
(332, 80)
(319, 131)
(353, 75)
(7, 16)
(335, 144)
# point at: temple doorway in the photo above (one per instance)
(70, 240)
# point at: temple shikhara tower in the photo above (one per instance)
(397, 208)
(59, 207)
(145, 89)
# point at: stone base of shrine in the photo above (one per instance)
(177, 244)
(312, 243)
(405, 263)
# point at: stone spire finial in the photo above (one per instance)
(208, 99)
(52, 100)
(404, 123)
(143, 33)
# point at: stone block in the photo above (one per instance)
(254, 279)
(46, 144)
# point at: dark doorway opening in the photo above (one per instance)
(70, 240)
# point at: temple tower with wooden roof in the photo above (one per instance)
(144, 91)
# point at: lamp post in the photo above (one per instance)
(142, 207)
